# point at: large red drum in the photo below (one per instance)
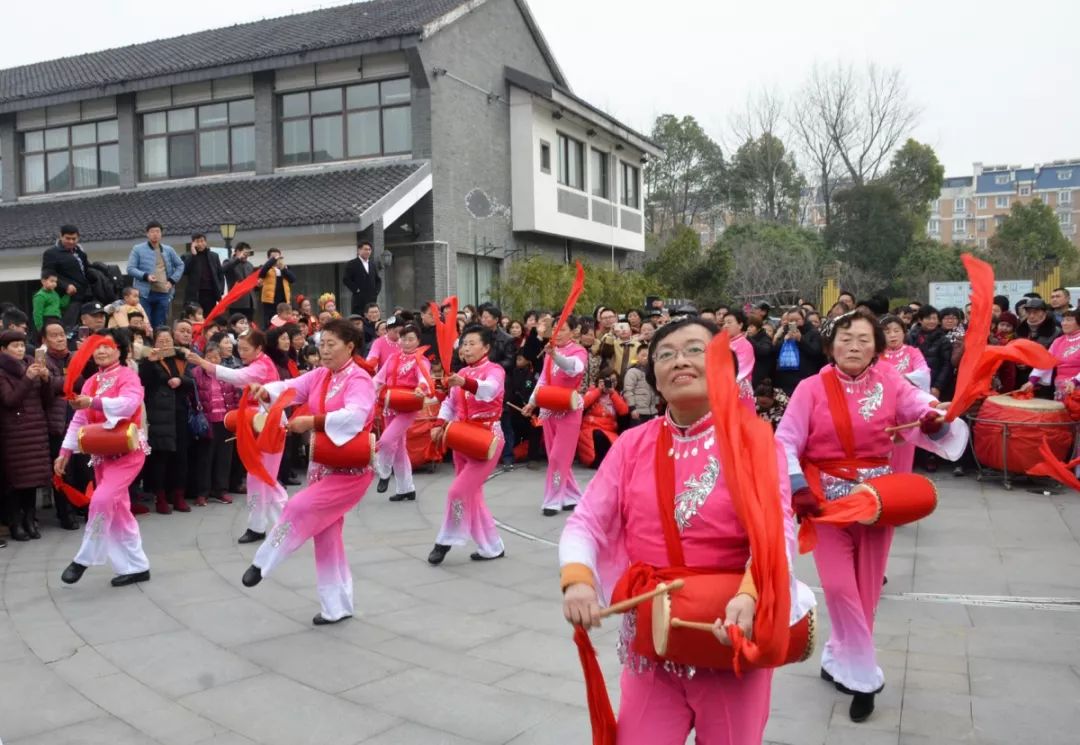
(473, 440)
(94, 439)
(558, 398)
(356, 453)
(703, 598)
(1025, 422)
(902, 498)
(402, 400)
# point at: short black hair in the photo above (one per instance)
(1002, 302)
(235, 318)
(153, 224)
(46, 273)
(490, 308)
(345, 331)
(197, 236)
(271, 251)
(926, 311)
(122, 337)
(13, 317)
(410, 328)
(365, 242)
(844, 322)
(668, 330)
(191, 309)
(952, 311)
(51, 321)
(68, 229)
(572, 322)
(891, 318)
(241, 246)
(369, 306)
(735, 313)
(487, 338)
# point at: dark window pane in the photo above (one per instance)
(326, 139)
(34, 141)
(155, 158)
(56, 138)
(33, 174)
(109, 165)
(242, 112)
(395, 91)
(362, 96)
(59, 170)
(243, 148)
(214, 151)
(326, 102)
(397, 130)
(598, 173)
(214, 115)
(182, 120)
(294, 104)
(154, 124)
(84, 166)
(108, 131)
(182, 156)
(364, 134)
(83, 134)
(295, 142)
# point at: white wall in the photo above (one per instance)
(535, 194)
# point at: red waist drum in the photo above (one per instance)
(402, 400)
(257, 422)
(557, 398)
(94, 439)
(356, 453)
(472, 439)
(902, 498)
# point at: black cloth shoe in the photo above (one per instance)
(438, 554)
(407, 497)
(130, 579)
(250, 536)
(73, 573)
(826, 676)
(67, 522)
(862, 706)
(568, 507)
(318, 620)
(252, 576)
(382, 486)
(549, 512)
(475, 556)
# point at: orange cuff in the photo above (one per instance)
(572, 574)
(747, 585)
(320, 422)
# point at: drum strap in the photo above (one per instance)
(665, 497)
(838, 408)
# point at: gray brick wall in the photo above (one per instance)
(470, 135)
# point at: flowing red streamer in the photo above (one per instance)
(272, 437)
(73, 495)
(971, 379)
(80, 359)
(568, 307)
(246, 446)
(238, 290)
(1052, 467)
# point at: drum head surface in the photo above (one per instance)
(661, 620)
(1031, 404)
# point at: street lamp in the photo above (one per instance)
(228, 232)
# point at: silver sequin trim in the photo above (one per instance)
(834, 487)
(698, 489)
(639, 664)
(97, 527)
(869, 404)
(457, 510)
(1071, 350)
(556, 480)
(280, 533)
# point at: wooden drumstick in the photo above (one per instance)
(625, 605)
(678, 623)
(908, 425)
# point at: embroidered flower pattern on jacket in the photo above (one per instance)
(869, 404)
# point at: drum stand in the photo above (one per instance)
(983, 473)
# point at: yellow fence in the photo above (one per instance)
(1050, 281)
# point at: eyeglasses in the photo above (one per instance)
(667, 355)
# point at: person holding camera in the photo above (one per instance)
(236, 269)
(797, 353)
(276, 281)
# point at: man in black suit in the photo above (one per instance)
(67, 258)
(362, 278)
(205, 280)
(236, 270)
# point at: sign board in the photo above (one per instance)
(956, 294)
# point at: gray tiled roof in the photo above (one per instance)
(319, 29)
(336, 196)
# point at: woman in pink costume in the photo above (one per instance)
(341, 397)
(1066, 349)
(834, 434)
(406, 370)
(565, 368)
(476, 396)
(109, 396)
(617, 525)
(910, 363)
(384, 347)
(735, 324)
(265, 501)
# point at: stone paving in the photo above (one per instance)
(479, 653)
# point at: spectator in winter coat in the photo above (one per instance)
(59, 413)
(47, 302)
(641, 397)
(236, 269)
(67, 258)
(797, 352)
(930, 339)
(213, 454)
(155, 269)
(1038, 326)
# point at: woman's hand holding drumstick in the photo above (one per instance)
(581, 607)
(919, 422)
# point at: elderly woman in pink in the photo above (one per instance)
(409, 371)
(476, 396)
(910, 363)
(340, 396)
(618, 529)
(265, 501)
(735, 324)
(1066, 349)
(834, 433)
(109, 396)
(565, 368)
(384, 347)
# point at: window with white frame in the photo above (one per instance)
(631, 186)
(960, 205)
(935, 206)
(1025, 191)
(198, 140)
(999, 220)
(1064, 175)
(1064, 197)
(980, 225)
(1001, 178)
(982, 203)
(933, 226)
(600, 174)
(353, 121)
(82, 156)
(1065, 218)
(959, 226)
(571, 162)
(1001, 202)
(545, 156)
